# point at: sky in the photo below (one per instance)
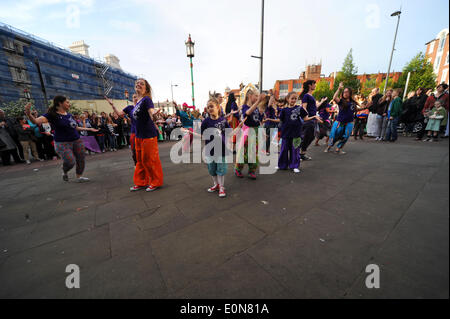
(148, 36)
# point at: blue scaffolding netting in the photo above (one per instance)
(63, 72)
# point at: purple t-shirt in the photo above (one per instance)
(234, 107)
(219, 125)
(346, 111)
(292, 121)
(129, 111)
(270, 114)
(64, 127)
(311, 106)
(323, 113)
(254, 119)
(144, 126)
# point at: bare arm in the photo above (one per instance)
(34, 120)
(119, 113)
(255, 105)
(336, 95)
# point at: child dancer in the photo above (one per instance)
(217, 166)
(252, 116)
(325, 126)
(291, 118)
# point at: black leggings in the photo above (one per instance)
(308, 135)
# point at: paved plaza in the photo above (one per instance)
(309, 235)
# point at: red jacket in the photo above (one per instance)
(429, 104)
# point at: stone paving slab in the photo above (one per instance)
(307, 235)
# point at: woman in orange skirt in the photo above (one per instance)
(148, 172)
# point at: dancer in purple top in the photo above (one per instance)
(68, 143)
(292, 118)
(310, 105)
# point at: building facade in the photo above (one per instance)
(437, 54)
(33, 64)
(313, 72)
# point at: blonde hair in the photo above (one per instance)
(148, 89)
(249, 92)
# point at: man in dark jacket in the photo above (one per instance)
(8, 126)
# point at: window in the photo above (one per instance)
(438, 63)
(442, 42)
(446, 60)
(444, 76)
(297, 87)
(284, 87)
(431, 47)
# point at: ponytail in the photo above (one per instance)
(306, 88)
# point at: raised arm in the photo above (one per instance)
(255, 105)
(119, 113)
(39, 120)
(338, 92)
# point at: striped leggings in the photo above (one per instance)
(71, 153)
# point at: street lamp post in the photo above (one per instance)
(190, 54)
(175, 85)
(395, 14)
(261, 57)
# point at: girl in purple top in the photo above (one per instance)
(325, 125)
(252, 117)
(343, 126)
(310, 105)
(291, 119)
(68, 143)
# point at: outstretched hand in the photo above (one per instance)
(109, 100)
(28, 108)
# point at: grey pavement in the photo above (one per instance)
(309, 235)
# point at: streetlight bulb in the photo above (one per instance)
(396, 13)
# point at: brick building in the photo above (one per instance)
(437, 54)
(314, 72)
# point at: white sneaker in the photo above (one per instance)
(28, 162)
(277, 168)
(296, 170)
(82, 179)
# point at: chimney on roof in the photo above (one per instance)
(112, 60)
(80, 47)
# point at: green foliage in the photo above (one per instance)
(391, 85)
(74, 109)
(422, 74)
(14, 108)
(368, 86)
(348, 74)
(323, 89)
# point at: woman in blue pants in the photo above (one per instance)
(343, 126)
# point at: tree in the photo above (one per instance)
(348, 74)
(422, 74)
(391, 85)
(368, 86)
(15, 108)
(323, 89)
